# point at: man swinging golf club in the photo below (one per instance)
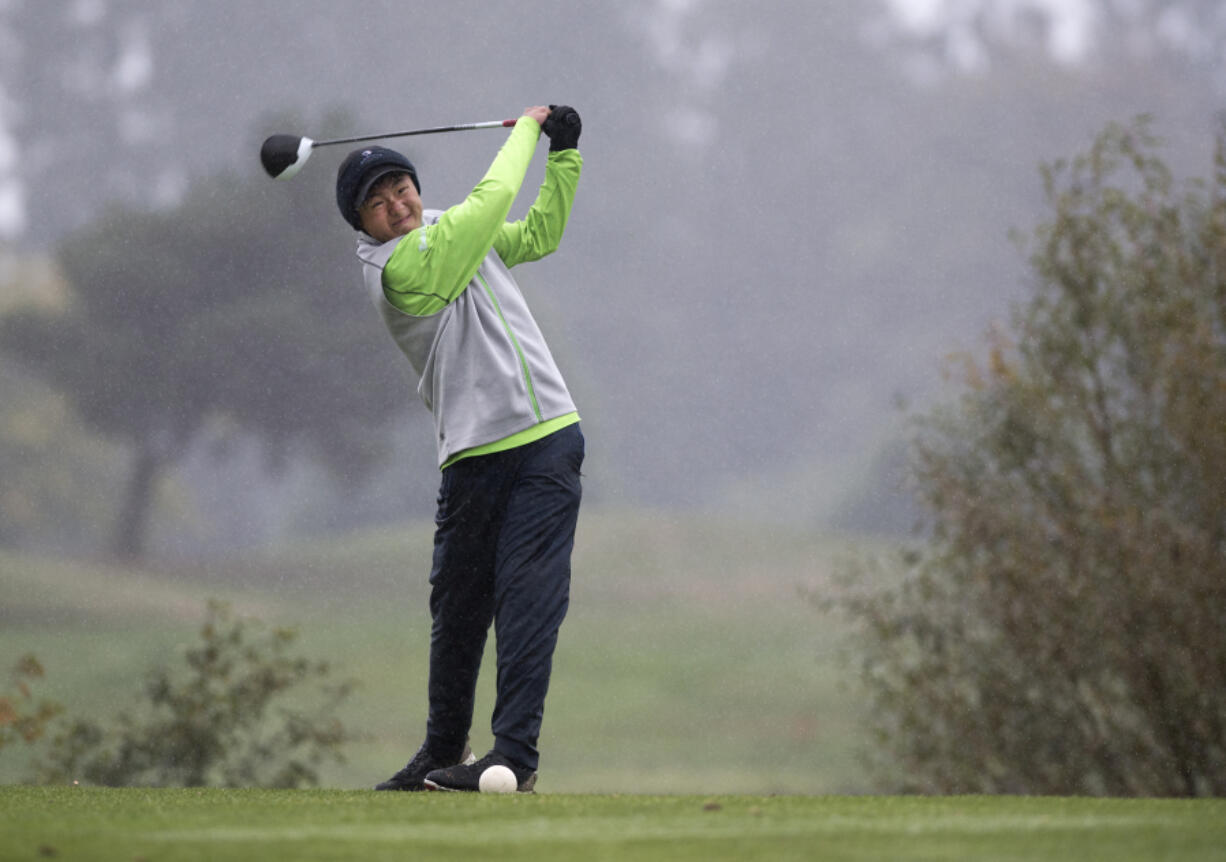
(506, 429)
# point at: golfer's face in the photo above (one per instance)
(392, 209)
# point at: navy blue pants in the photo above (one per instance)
(504, 531)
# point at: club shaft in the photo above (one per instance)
(493, 124)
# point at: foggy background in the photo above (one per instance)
(790, 214)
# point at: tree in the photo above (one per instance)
(54, 473)
(104, 108)
(1060, 629)
(238, 306)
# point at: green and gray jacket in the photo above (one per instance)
(449, 301)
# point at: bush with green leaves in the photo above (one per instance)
(1060, 627)
(236, 718)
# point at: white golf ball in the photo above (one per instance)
(498, 779)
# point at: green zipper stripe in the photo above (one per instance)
(523, 363)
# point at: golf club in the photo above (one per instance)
(284, 155)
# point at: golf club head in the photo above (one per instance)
(284, 155)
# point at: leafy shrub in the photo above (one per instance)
(1062, 627)
(224, 723)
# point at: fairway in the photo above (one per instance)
(107, 824)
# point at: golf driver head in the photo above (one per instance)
(284, 155)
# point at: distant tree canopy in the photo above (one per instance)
(1063, 628)
(239, 308)
(969, 34)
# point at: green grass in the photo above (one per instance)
(689, 662)
(102, 824)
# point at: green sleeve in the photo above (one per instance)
(433, 264)
(540, 231)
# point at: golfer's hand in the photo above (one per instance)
(563, 127)
(540, 113)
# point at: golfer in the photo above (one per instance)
(507, 431)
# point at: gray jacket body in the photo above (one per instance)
(484, 370)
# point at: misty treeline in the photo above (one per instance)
(720, 275)
(229, 315)
(1062, 629)
(717, 272)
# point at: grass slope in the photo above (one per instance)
(103, 824)
(689, 662)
